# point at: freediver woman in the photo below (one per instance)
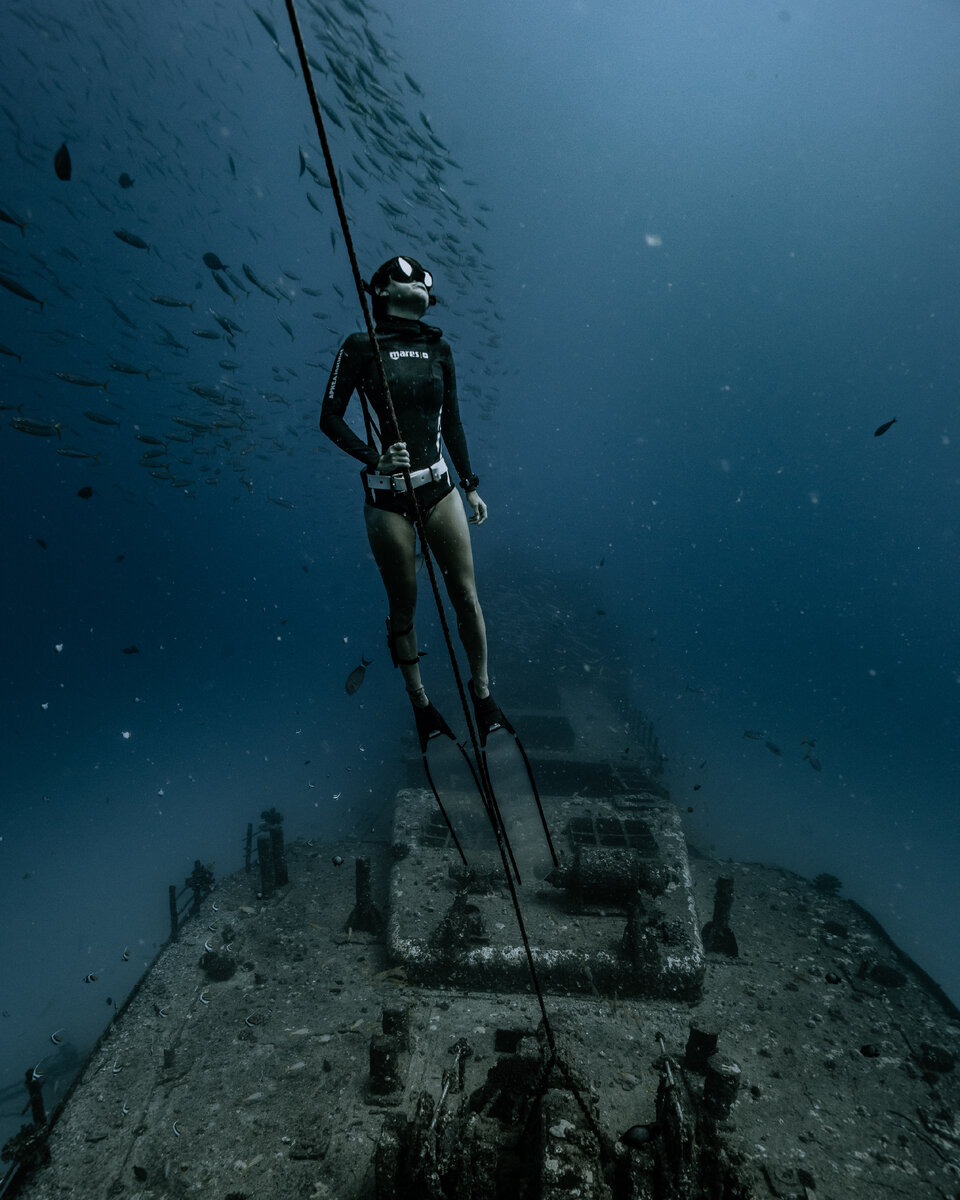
(419, 367)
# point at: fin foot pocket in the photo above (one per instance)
(430, 724)
(489, 716)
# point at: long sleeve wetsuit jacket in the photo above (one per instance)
(418, 365)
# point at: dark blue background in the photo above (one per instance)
(702, 253)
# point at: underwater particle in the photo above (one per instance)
(61, 162)
(337, 860)
(653, 239)
(125, 733)
(882, 429)
(59, 647)
(45, 705)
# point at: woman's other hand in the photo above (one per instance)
(479, 508)
(394, 459)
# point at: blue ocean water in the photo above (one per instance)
(689, 257)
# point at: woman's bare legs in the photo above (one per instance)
(448, 535)
(393, 541)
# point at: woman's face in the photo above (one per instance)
(409, 298)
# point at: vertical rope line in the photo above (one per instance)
(492, 811)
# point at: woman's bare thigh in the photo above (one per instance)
(393, 541)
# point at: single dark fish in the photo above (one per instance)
(756, 734)
(125, 181)
(128, 369)
(131, 239)
(226, 323)
(85, 492)
(173, 302)
(121, 314)
(213, 261)
(248, 271)
(884, 427)
(12, 353)
(773, 747)
(61, 163)
(282, 503)
(72, 452)
(37, 428)
(19, 290)
(131, 650)
(101, 419)
(12, 220)
(266, 23)
(79, 380)
(355, 678)
(813, 761)
(149, 439)
(211, 334)
(221, 283)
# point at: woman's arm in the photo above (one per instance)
(346, 374)
(455, 440)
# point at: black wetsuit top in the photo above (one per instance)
(419, 367)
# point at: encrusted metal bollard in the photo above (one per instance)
(396, 1023)
(385, 1074)
(718, 937)
(279, 855)
(268, 874)
(701, 1043)
(35, 1092)
(720, 1086)
(365, 916)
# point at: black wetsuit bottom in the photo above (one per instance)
(429, 496)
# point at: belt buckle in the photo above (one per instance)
(397, 483)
